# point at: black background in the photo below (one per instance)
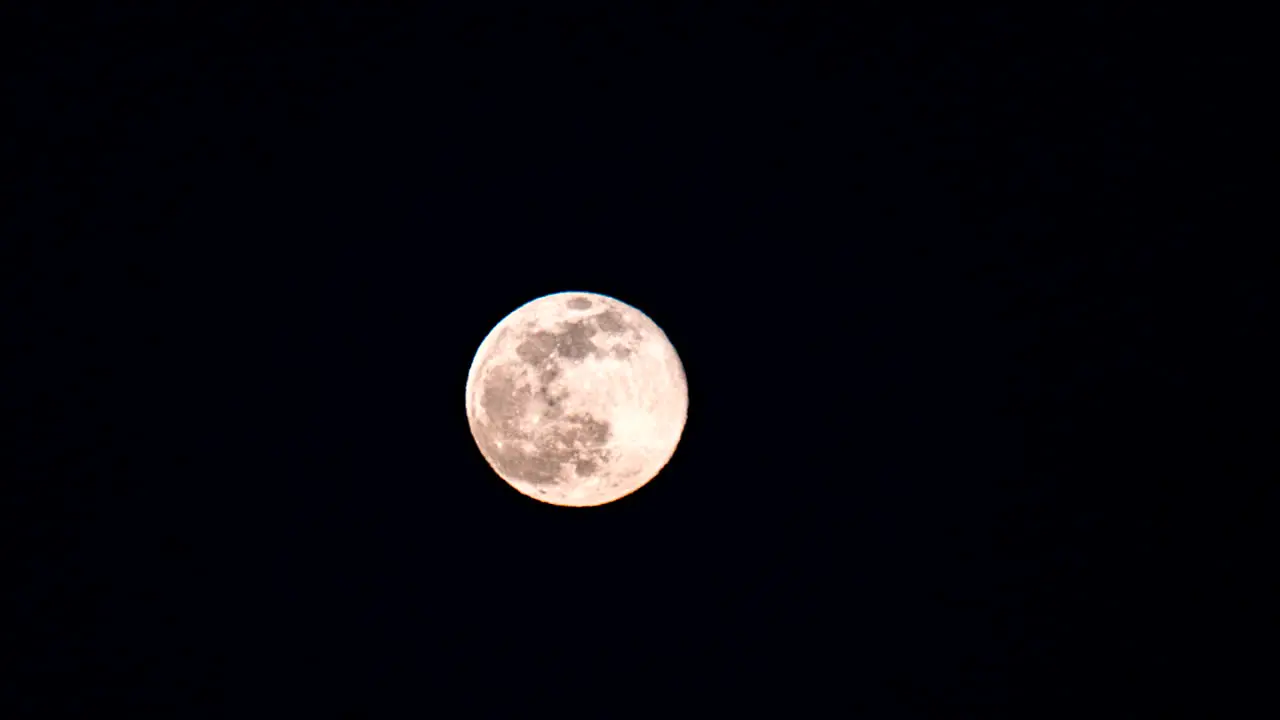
(937, 281)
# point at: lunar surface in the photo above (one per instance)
(577, 399)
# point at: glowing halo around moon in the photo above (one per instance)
(576, 399)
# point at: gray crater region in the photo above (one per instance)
(576, 439)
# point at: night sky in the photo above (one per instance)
(935, 281)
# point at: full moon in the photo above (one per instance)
(577, 399)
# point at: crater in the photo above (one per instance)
(578, 304)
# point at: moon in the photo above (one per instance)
(577, 399)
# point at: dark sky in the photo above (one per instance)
(935, 282)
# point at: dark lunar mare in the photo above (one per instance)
(610, 322)
(572, 342)
(576, 439)
(579, 440)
